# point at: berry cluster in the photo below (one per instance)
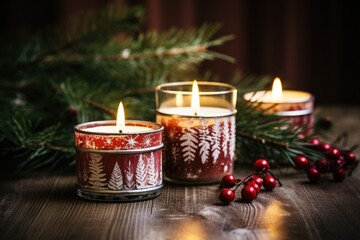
(251, 184)
(339, 162)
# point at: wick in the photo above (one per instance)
(120, 131)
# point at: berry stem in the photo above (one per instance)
(280, 184)
(354, 147)
(343, 136)
(238, 184)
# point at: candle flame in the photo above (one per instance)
(178, 100)
(195, 99)
(276, 92)
(120, 120)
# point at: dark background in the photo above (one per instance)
(311, 45)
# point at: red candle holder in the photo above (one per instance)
(118, 167)
(199, 148)
(297, 109)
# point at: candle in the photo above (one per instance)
(296, 107)
(120, 126)
(199, 130)
(118, 160)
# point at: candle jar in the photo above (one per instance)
(199, 148)
(118, 167)
(296, 107)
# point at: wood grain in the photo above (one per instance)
(45, 206)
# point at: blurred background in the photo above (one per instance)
(311, 45)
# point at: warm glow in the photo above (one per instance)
(273, 220)
(195, 99)
(120, 120)
(178, 100)
(276, 92)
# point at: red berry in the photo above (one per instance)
(315, 141)
(324, 147)
(339, 162)
(269, 183)
(226, 195)
(228, 181)
(339, 174)
(313, 174)
(255, 185)
(333, 154)
(350, 157)
(248, 193)
(257, 179)
(261, 166)
(301, 162)
(322, 166)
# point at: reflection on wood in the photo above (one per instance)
(45, 206)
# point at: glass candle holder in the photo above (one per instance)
(199, 144)
(118, 167)
(296, 107)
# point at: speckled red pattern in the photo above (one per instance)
(88, 140)
(98, 167)
(197, 150)
(286, 110)
(306, 121)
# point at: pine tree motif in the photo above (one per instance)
(129, 183)
(215, 140)
(152, 173)
(159, 177)
(204, 139)
(141, 173)
(97, 176)
(232, 138)
(225, 137)
(189, 143)
(116, 179)
(84, 174)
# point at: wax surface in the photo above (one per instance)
(112, 129)
(288, 96)
(188, 111)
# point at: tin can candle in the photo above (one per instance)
(118, 166)
(296, 107)
(199, 130)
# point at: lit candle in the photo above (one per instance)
(294, 106)
(199, 130)
(120, 126)
(118, 160)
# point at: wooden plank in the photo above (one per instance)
(45, 206)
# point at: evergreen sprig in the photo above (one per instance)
(46, 90)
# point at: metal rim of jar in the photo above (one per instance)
(296, 113)
(121, 151)
(189, 83)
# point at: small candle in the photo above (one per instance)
(199, 130)
(120, 126)
(118, 160)
(294, 106)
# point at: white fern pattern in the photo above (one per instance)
(204, 138)
(215, 140)
(189, 143)
(152, 176)
(225, 137)
(141, 173)
(97, 176)
(116, 179)
(232, 138)
(130, 184)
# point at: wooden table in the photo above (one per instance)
(45, 206)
